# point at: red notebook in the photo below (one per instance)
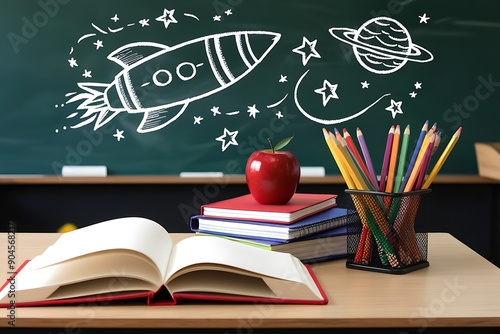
(247, 208)
(134, 259)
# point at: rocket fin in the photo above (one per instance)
(129, 54)
(158, 119)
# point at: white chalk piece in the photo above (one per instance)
(84, 171)
(312, 171)
(201, 174)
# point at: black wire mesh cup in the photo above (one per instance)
(383, 235)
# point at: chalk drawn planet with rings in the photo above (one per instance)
(382, 45)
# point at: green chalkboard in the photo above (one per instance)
(162, 87)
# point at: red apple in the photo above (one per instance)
(272, 176)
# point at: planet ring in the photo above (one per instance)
(415, 54)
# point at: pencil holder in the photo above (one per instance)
(384, 235)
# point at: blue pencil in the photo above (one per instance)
(421, 137)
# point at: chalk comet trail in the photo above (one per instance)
(187, 72)
(329, 121)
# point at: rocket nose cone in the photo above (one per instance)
(262, 42)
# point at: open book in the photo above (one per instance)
(130, 258)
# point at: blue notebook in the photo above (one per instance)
(319, 222)
(327, 245)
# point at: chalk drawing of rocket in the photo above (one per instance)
(160, 81)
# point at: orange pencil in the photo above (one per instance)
(418, 164)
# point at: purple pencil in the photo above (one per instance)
(366, 156)
(387, 156)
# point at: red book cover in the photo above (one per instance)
(247, 208)
(162, 297)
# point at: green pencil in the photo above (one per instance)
(402, 158)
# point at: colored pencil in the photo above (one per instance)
(425, 163)
(442, 158)
(351, 167)
(437, 142)
(429, 144)
(355, 153)
(423, 132)
(387, 155)
(402, 159)
(332, 146)
(366, 155)
(354, 165)
(393, 160)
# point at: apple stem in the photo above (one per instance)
(270, 144)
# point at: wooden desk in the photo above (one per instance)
(459, 289)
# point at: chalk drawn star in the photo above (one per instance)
(418, 85)
(144, 22)
(87, 74)
(395, 108)
(98, 44)
(215, 111)
(413, 95)
(307, 50)
(232, 141)
(279, 115)
(328, 91)
(283, 78)
(229, 12)
(115, 18)
(217, 18)
(198, 119)
(365, 84)
(119, 135)
(424, 18)
(167, 17)
(72, 62)
(253, 111)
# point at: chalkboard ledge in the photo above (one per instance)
(230, 179)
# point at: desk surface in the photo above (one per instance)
(459, 289)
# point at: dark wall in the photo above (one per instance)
(454, 55)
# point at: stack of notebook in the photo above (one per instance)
(310, 226)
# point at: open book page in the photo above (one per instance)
(219, 260)
(93, 274)
(133, 233)
(135, 248)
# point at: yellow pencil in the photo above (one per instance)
(333, 150)
(442, 158)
